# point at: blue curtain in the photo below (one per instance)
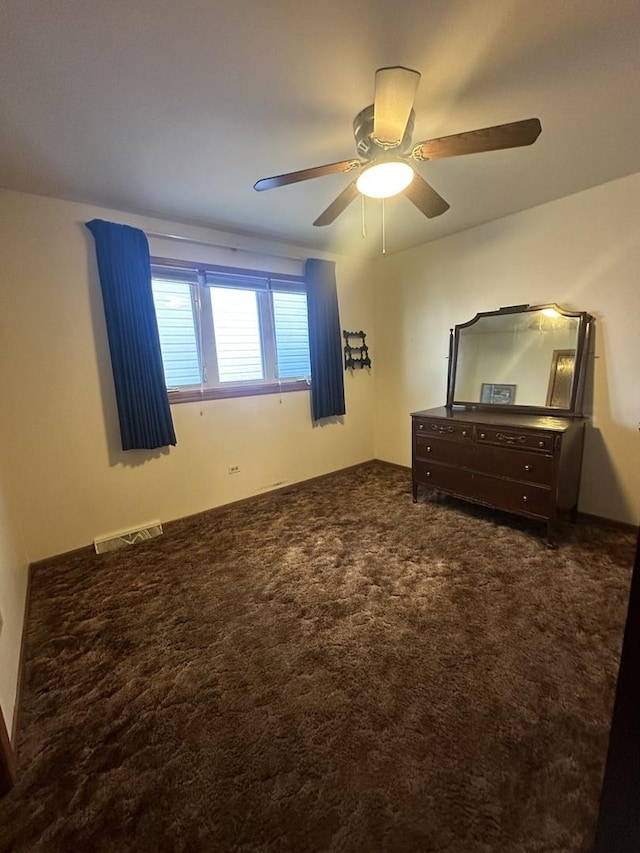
(125, 278)
(325, 340)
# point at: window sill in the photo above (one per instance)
(195, 395)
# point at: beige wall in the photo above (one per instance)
(13, 584)
(66, 475)
(582, 252)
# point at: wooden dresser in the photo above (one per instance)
(522, 463)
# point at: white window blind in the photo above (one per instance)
(291, 333)
(177, 326)
(236, 326)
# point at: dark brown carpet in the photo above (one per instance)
(328, 669)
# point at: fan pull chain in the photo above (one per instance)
(384, 236)
(364, 226)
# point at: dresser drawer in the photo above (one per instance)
(436, 449)
(522, 438)
(511, 495)
(444, 429)
(436, 476)
(516, 464)
(526, 498)
(500, 461)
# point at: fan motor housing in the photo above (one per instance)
(366, 146)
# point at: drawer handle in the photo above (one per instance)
(527, 467)
(541, 444)
(511, 439)
(482, 435)
(464, 433)
(441, 429)
(420, 426)
(525, 498)
(428, 473)
(429, 448)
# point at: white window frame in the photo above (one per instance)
(201, 278)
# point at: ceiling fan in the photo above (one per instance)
(383, 134)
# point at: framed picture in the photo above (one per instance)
(503, 395)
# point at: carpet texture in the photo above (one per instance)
(331, 668)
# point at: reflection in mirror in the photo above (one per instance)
(561, 377)
(523, 358)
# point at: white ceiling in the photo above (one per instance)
(177, 108)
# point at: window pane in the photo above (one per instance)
(292, 334)
(177, 328)
(237, 330)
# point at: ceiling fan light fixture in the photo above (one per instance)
(386, 179)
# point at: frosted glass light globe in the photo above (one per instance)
(383, 180)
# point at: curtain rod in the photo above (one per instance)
(221, 246)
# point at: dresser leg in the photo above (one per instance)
(551, 534)
(415, 491)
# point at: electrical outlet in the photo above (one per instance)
(234, 469)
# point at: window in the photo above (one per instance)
(226, 332)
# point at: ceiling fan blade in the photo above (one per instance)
(339, 204)
(305, 175)
(395, 93)
(512, 135)
(425, 198)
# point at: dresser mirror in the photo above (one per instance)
(521, 359)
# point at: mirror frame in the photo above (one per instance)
(585, 330)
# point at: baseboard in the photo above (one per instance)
(7, 760)
(21, 663)
(396, 465)
(56, 559)
(290, 487)
(585, 518)
(589, 518)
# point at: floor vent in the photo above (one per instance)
(127, 537)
